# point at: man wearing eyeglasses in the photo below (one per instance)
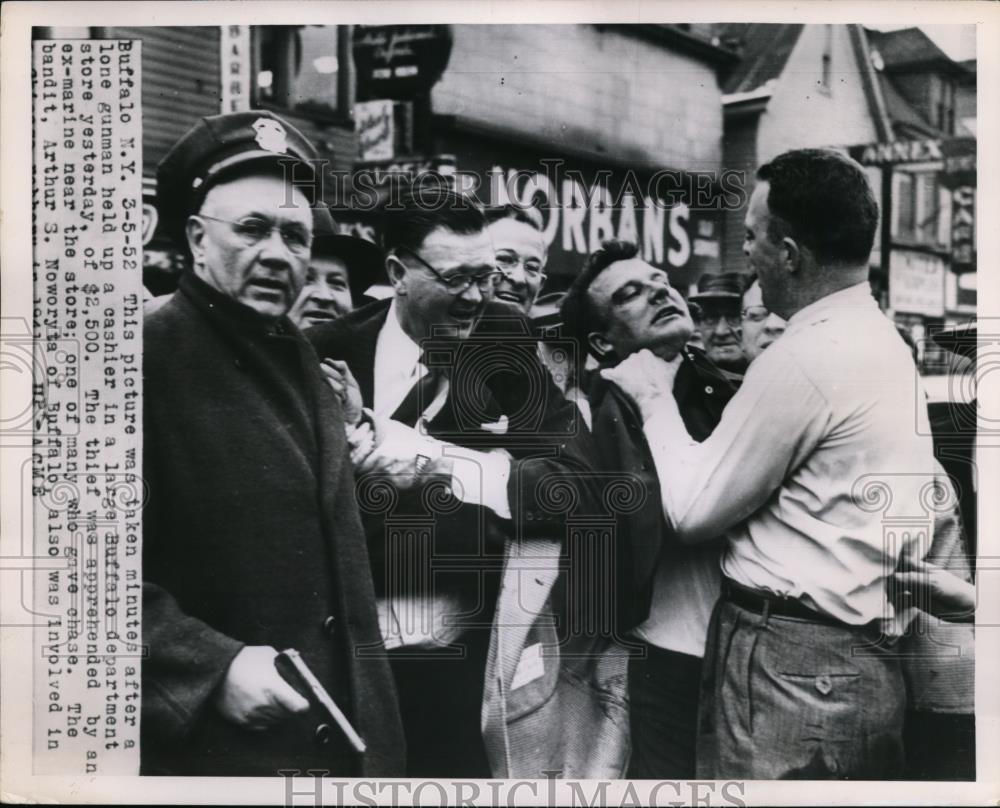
(760, 326)
(252, 539)
(720, 324)
(519, 247)
(466, 550)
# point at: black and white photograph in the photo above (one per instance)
(499, 403)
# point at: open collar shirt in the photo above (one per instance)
(819, 469)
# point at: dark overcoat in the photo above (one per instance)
(251, 537)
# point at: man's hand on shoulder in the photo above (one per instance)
(253, 695)
(645, 378)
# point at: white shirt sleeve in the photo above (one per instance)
(477, 478)
(772, 423)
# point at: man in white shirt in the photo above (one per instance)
(812, 458)
(457, 391)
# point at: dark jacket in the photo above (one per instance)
(953, 427)
(571, 717)
(495, 374)
(702, 392)
(251, 537)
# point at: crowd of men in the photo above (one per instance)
(657, 559)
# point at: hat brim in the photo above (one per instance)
(716, 296)
(365, 262)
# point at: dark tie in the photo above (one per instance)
(419, 398)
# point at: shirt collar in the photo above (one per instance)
(844, 301)
(397, 343)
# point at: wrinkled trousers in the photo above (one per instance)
(789, 698)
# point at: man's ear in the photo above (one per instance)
(792, 255)
(600, 345)
(397, 274)
(194, 229)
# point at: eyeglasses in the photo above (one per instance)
(509, 261)
(460, 282)
(756, 314)
(712, 319)
(253, 230)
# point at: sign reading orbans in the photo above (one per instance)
(399, 61)
(673, 217)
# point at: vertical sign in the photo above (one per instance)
(375, 127)
(963, 219)
(87, 445)
(235, 66)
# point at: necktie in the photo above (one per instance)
(419, 398)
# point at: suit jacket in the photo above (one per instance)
(552, 701)
(251, 537)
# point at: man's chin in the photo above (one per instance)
(729, 359)
(266, 306)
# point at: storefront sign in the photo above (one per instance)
(899, 151)
(399, 61)
(963, 222)
(235, 68)
(916, 283)
(674, 217)
(375, 127)
(382, 174)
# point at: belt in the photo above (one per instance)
(767, 604)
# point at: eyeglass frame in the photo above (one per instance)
(494, 276)
(271, 227)
(712, 320)
(520, 262)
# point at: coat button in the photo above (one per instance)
(323, 733)
(823, 684)
(330, 625)
(709, 389)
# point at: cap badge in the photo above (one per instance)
(270, 135)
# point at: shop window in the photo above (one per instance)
(904, 204)
(302, 68)
(917, 207)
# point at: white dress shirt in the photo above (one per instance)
(817, 473)
(398, 368)
(478, 477)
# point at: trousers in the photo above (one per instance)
(440, 697)
(790, 698)
(663, 703)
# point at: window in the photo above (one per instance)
(302, 68)
(917, 207)
(904, 204)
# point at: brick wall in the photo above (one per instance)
(602, 91)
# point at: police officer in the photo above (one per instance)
(252, 539)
